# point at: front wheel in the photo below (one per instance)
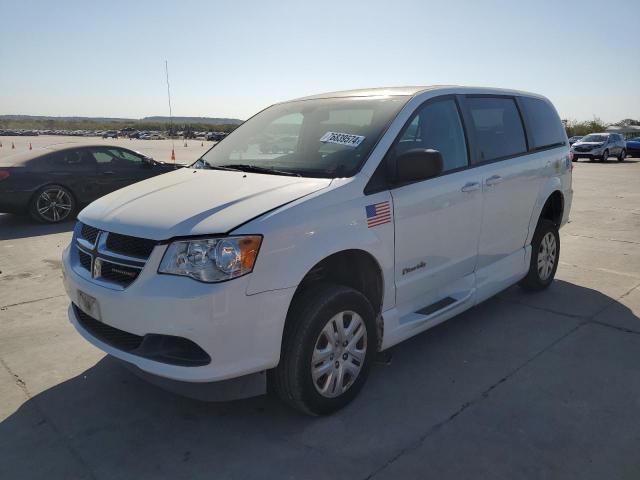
(605, 155)
(327, 350)
(545, 253)
(52, 204)
(623, 155)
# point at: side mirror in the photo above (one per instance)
(416, 164)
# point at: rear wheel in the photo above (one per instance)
(52, 204)
(327, 350)
(622, 156)
(545, 253)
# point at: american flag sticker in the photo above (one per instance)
(378, 214)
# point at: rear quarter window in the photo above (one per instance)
(544, 126)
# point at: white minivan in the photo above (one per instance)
(320, 232)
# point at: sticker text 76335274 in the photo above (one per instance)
(346, 139)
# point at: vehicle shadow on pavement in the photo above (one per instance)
(18, 226)
(521, 373)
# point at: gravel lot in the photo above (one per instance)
(523, 386)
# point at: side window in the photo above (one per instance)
(544, 125)
(125, 156)
(437, 126)
(498, 128)
(114, 157)
(102, 156)
(71, 159)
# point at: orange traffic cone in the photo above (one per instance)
(173, 155)
(13, 146)
(30, 147)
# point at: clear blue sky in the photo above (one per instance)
(233, 58)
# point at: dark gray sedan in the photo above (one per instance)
(53, 182)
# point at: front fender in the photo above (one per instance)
(298, 236)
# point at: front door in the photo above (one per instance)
(437, 221)
(117, 170)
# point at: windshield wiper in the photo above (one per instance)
(223, 167)
(208, 166)
(256, 169)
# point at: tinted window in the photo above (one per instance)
(126, 156)
(437, 126)
(544, 125)
(498, 128)
(116, 158)
(71, 159)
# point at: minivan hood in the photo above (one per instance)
(194, 202)
(588, 144)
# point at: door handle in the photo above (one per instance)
(493, 180)
(109, 172)
(470, 187)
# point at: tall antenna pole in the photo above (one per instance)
(166, 70)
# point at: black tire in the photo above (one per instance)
(605, 155)
(63, 209)
(536, 280)
(623, 155)
(309, 314)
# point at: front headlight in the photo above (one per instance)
(211, 259)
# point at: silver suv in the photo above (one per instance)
(600, 146)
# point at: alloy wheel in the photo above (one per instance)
(54, 204)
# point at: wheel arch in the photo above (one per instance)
(553, 208)
(550, 205)
(354, 268)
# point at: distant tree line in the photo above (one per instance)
(573, 127)
(595, 125)
(46, 124)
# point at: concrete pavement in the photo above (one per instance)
(523, 386)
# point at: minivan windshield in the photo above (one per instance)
(329, 138)
(594, 138)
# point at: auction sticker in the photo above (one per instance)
(342, 139)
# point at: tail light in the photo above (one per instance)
(4, 174)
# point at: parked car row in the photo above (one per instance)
(127, 132)
(19, 133)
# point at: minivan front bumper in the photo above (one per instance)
(240, 333)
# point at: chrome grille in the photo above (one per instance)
(133, 246)
(89, 233)
(120, 274)
(111, 259)
(85, 260)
